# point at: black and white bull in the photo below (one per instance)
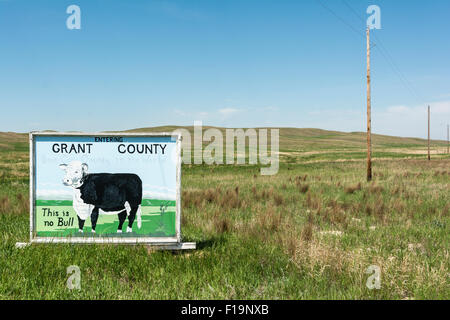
(108, 193)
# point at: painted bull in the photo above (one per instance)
(107, 193)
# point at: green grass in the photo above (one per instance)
(309, 232)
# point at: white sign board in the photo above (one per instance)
(105, 188)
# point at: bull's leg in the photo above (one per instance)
(80, 224)
(131, 218)
(122, 216)
(94, 218)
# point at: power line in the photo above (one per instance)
(381, 48)
(385, 53)
(341, 19)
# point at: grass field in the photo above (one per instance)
(309, 232)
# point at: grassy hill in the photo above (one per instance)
(301, 138)
(302, 145)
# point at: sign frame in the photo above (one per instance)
(162, 242)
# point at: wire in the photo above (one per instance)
(379, 45)
(385, 53)
(340, 19)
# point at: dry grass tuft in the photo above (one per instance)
(5, 205)
(395, 191)
(313, 201)
(197, 199)
(353, 189)
(192, 199)
(303, 188)
(399, 206)
(278, 199)
(230, 200)
(289, 242)
(263, 195)
(446, 210)
(20, 206)
(334, 213)
(299, 179)
(378, 208)
(211, 195)
(307, 232)
(270, 220)
(373, 188)
(441, 173)
(264, 225)
(23, 203)
(222, 225)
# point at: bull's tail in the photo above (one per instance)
(139, 218)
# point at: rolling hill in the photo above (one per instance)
(303, 143)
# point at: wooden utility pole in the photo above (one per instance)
(429, 156)
(369, 120)
(448, 140)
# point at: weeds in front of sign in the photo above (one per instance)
(310, 232)
(17, 204)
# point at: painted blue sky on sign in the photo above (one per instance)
(233, 63)
(157, 171)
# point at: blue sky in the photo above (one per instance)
(229, 63)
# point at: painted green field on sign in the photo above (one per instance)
(57, 218)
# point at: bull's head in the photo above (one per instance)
(75, 173)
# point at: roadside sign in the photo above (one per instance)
(106, 188)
